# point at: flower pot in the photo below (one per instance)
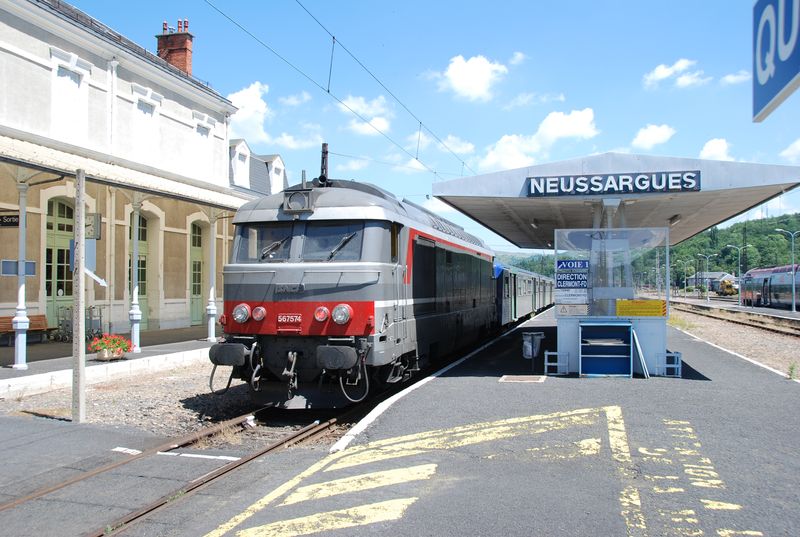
(110, 354)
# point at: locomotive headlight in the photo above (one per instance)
(321, 314)
(342, 314)
(241, 313)
(259, 313)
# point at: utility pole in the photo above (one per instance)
(79, 304)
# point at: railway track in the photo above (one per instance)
(304, 434)
(779, 325)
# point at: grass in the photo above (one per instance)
(792, 371)
(682, 323)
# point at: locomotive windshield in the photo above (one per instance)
(326, 241)
(270, 242)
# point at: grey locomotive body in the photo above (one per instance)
(336, 287)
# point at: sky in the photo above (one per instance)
(411, 93)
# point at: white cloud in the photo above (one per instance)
(253, 111)
(716, 149)
(376, 112)
(695, 78)
(458, 146)
(437, 206)
(352, 165)
(516, 151)
(418, 138)
(517, 58)
(412, 165)
(792, 153)
(369, 129)
(311, 137)
(663, 71)
(525, 99)
(472, 79)
(652, 135)
(295, 100)
(736, 78)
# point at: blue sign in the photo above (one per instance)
(776, 54)
(615, 183)
(572, 264)
(9, 267)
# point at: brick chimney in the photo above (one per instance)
(176, 47)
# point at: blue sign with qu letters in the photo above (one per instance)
(776, 54)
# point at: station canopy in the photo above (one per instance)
(526, 205)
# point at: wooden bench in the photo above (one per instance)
(37, 325)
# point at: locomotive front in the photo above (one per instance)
(311, 271)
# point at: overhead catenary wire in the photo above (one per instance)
(320, 86)
(397, 99)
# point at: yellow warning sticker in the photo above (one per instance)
(641, 308)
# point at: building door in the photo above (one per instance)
(57, 274)
(142, 268)
(196, 275)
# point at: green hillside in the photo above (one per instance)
(768, 249)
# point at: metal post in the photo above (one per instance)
(135, 314)
(739, 250)
(211, 308)
(79, 304)
(708, 280)
(21, 322)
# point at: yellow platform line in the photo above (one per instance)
(361, 482)
(333, 520)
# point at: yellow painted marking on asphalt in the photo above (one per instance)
(667, 490)
(558, 452)
(654, 455)
(272, 496)
(732, 533)
(629, 498)
(444, 439)
(700, 472)
(661, 477)
(361, 482)
(684, 516)
(333, 520)
(720, 506)
(466, 436)
(709, 483)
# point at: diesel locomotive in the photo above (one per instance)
(335, 288)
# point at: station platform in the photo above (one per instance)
(470, 453)
(50, 363)
(486, 448)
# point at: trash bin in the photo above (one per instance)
(531, 343)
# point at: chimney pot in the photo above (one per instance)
(164, 28)
(176, 48)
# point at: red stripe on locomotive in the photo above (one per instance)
(362, 322)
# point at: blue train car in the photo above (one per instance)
(520, 293)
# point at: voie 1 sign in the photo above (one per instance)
(776, 54)
(615, 183)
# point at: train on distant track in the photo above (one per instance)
(337, 288)
(769, 287)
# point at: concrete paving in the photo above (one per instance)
(712, 453)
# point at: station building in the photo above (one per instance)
(611, 220)
(154, 144)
